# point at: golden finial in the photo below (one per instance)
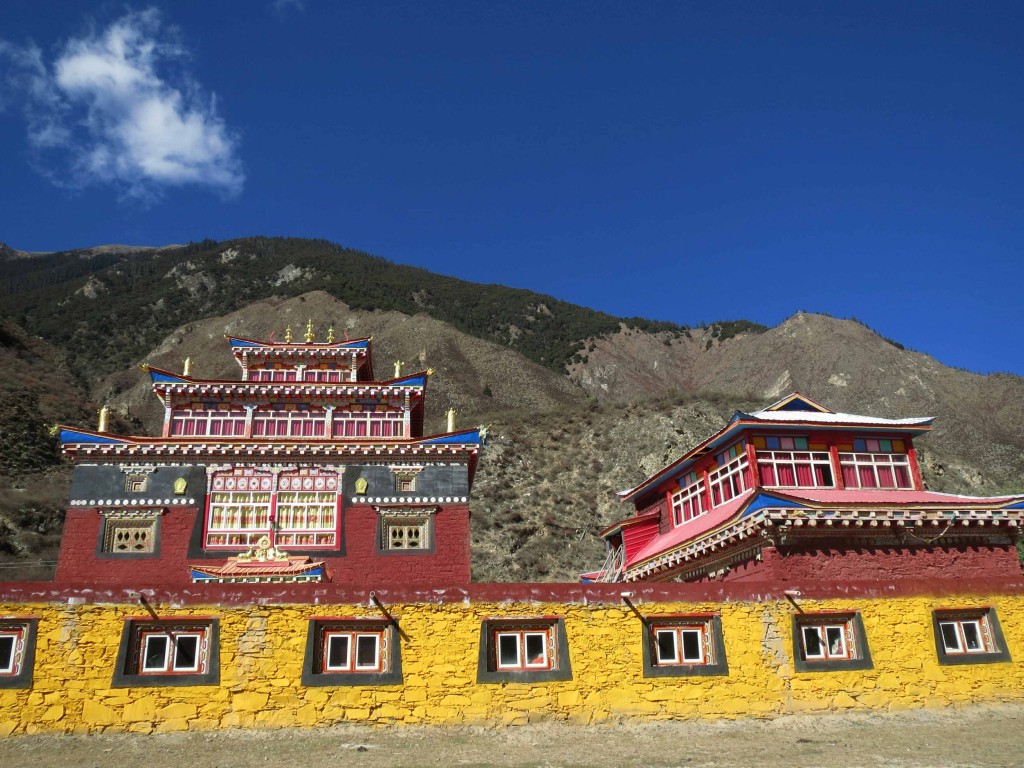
(430, 371)
(398, 368)
(54, 430)
(309, 331)
(330, 335)
(143, 366)
(288, 335)
(451, 419)
(104, 419)
(187, 370)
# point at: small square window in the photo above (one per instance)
(129, 535)
(829, 641)
(352, 652)
(406, 532)
(523, 650)
(168, 652)
(136, 483)
(969, 636)
(679, 645)
(17, 652)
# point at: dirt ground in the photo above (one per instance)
(972, 736)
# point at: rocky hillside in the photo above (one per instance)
(580, 404)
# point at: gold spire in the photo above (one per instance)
(330, 335)
(187, 370)
(288, 335)
(398, 368)
(104, 419)
(451, 419)
(309, 331)
(430, 371)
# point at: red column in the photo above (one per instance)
(915, 470)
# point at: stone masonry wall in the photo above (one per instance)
(262, 644)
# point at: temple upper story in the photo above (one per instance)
(793, 464)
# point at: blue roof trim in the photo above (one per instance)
(472, 436)
(354, 345)
(764, 500)
(157, 376)
(1018, 505)
(74, 436)
(410, 381)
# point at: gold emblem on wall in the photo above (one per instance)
(361, 486)
(179, 486)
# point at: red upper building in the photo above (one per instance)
(306, 469)
(797, 492)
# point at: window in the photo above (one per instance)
(272, 374)
(17, 652)
(345, 651)
(289, 421)
(795, 469)
(136, 483)
(306, 513)
(971, 636)
(874, 463)
(328, 375)
(689, 501)
(405, 481)
(829, 641)
(208, 420)
(172, 651)
(730, 479)
(377, 423)
(126, 535)
(523, 650)
(406, 532)
(678, 645)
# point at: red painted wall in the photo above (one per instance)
(849, 563)
(362, 565)
(79, 564)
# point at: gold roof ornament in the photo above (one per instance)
(104, 419)
(187, 369)
(451, 419)
(288, 335)
(398, 368)
(309, 331)
(330, 335)
(430, 371)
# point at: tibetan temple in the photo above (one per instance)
(307, 469)
(798, 493)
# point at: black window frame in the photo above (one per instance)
(982, 613)
(127, 673)
(711, 625)
(28, 627)
(862, 659)
(313, 672)
(554, 626)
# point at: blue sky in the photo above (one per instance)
(679, 161)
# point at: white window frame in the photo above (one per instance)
(521, 639)
(677, 632)
(958, 623)
(204, 419)
(16, 634)
(171, 636)
(815, 459)
(354, 638)
(731, 476)
(873, 461)
(689, 503)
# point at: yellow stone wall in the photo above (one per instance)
(262, 648)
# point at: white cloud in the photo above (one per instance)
(109, 110)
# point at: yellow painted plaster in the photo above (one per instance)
(262, 648)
